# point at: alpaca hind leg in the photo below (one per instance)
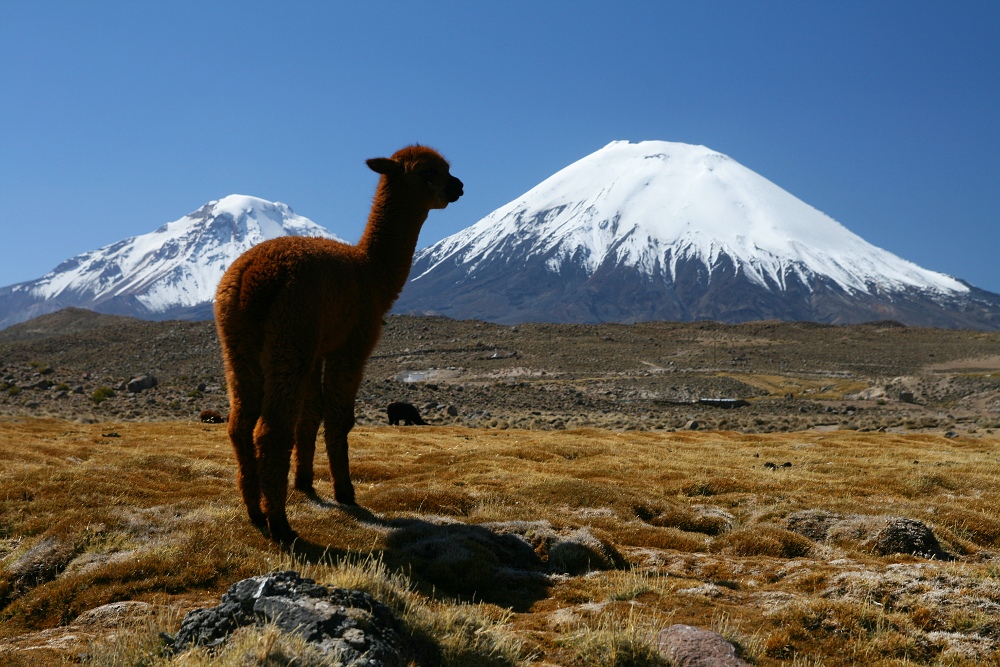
(274, 438)
(245, 395)
(340, 387)
(306, 430)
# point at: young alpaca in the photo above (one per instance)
(298, 318)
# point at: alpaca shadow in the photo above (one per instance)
(466, 561)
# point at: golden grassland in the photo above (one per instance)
(694, 529)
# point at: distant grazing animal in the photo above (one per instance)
(298, 318)
(211, 417)
(404, 412)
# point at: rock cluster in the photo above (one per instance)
(538, 376)
(349, 625)
(884, 536)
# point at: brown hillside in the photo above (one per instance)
(640, 376)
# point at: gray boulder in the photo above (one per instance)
(350, 625)
(141, 383)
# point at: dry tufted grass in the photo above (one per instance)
(694, 526)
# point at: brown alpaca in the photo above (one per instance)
(298, 318)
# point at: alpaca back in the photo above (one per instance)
(311, 287)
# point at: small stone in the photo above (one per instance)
(688, 646)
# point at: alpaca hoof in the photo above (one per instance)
(306, 488)
(285, 538)
(345, 498)
(283, 534)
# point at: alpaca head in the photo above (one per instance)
(422, 172)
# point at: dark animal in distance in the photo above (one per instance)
(298, 318)
(404, 412)
(211, 417)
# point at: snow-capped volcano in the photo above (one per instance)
(661, 230)
(170, 272)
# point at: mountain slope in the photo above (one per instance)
(171, 272)
(660, 230)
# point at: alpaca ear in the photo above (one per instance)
(384, 165)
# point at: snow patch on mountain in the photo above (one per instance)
(652, 204)
(180, 264)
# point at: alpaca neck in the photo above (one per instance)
(390, 240)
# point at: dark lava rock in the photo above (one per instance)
(688, 646)
(350, 625)
(141, 383)
(908, 536)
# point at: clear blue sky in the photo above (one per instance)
(116, 117)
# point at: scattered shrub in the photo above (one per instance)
(102, 394)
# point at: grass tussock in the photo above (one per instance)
(514, 547)
(763, 540)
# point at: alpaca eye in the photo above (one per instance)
(430, 174)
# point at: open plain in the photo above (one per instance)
(844, 513)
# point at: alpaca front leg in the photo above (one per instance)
(340, 469)
(340, 387)
(338, 424)
(306, 430)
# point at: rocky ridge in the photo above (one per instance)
(788, 376)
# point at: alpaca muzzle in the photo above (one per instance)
(453, 190)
